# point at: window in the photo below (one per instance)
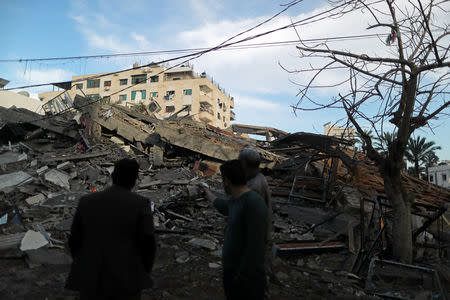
(176, 78)
(136, 79)
(431, 178)
(123, 81)
(154, 94)
(188, 107)
(169, 95)
(94, 97)
(444, 177)
(218, 116)
(123, 97)
(154, 78)
(107, 83)
(142, 92)
(223, 118)
(79, 86)
(187, 92)
(218, 101)
(94, 83)
(170, 109)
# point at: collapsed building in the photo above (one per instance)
(332, 220)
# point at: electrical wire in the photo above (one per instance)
(189, 50)
(197, 54)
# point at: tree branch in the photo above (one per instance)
(433, 43)
(361, 57)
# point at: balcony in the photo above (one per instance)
(206, 116)
(232, 115)
(204, 98)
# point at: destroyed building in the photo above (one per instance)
(21, 99)
(332, 221)
(166, 91)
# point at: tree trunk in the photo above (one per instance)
(416, 168)
(401, 227)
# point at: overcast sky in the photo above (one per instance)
(263, 91)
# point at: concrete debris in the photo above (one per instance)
(116, 140)
(10, 157)
(214, 265)
(36, 199)
(64, 165)
(203, 243)
(59, 178)
(33, 240)
(4, 219)
(11, 241)
(328, 204)
(41, 170)
(47, 256)
(14, 179)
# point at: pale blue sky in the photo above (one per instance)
(263, 91)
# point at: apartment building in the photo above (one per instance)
(165, 91)
(339, 132)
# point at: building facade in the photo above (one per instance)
(165, 91)
(439, 175)
(339, 132)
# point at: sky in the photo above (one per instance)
(261, 80)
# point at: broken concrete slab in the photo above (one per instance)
(117, 140)
(10, 157)
(32, 240)
(214, 265)
(203, 243)
(11, 241)
(59, 178)
(64, 165)
(36, 199)
(56, 124)
(13, 179)
(74, 157)
(41, 170)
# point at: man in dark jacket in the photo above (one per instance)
(245, 237)
(112, 240)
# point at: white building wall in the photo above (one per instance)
(439, 175)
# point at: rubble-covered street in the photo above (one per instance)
(332, 221)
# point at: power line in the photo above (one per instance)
(307, 20)
(188, 50)
(232, 47)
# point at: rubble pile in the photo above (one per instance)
(330, 210)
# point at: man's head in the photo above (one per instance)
(125, 173)
(250, 159)
(233, 175)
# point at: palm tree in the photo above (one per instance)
(430, 160)
(384, 142)
(362, 141)
(417, 150)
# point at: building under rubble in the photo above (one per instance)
(166, 91)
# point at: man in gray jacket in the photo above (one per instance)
(256, 181)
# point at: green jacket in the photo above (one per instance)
(245, 235)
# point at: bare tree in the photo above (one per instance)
(407, 87)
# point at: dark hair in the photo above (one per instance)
(234, 171)
(251, 157)
(125, 172)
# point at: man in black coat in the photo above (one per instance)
(112, 240)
